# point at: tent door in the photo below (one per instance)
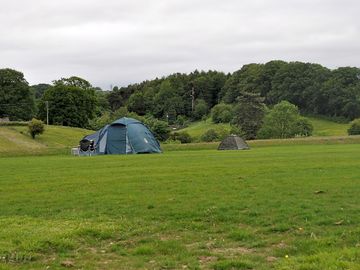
(116, 140)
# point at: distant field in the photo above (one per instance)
(321, 128)
(285, 207)
(197, 129)
(328, 128)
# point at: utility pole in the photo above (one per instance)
(47, 112)
(192, 99)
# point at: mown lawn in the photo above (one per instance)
(274, 207)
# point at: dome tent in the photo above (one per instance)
(123, 136)
(233, 142)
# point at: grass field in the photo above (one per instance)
(276, 207)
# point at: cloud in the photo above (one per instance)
(119, 42)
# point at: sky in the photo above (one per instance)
(117, 42)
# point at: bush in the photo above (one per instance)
(222, 113)
(354, 127)
(210, 136)
(235, 130)
(304, 127)
(36, 127)
(160, 128)
(183, 137)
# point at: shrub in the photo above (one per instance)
(160, 128)
(304, 127)
(222, 113)
(235, 130)
(354, 127)
(36, 127)
(209, 136)
(183, 137)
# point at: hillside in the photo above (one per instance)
(322, 128)
(16, 140)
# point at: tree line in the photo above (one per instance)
(242, 97)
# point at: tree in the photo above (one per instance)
(282, 121)
(354, 127)
(39, 89)
(74, 81)
(201, 109)
(136, 103)
(298, 83)
(249, 113)
(247, 79)
(16, 99)
(69, 105)
(222, 113)
(36, 127)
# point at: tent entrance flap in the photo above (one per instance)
(116, 140)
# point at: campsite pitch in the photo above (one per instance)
(274, 207)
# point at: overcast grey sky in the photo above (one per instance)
(120, 42)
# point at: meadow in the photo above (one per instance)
(277, 206)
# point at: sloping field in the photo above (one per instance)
(328, 128)
(277, 207)
(16, 141)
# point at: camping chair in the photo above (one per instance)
(84, 146)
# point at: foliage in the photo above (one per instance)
(36, 127)
(201, 109)
(181, 121)
(183, 137)
(235, 130)
(304, 127)
(284, 121)
(69, 104)
(210, 135)
(354, 127)
(298, 83)
(160, 128)
(222, 113)
(248, 114)
(16, 99)
(39, 89)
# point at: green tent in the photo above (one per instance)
(123, 136)
(233, 142)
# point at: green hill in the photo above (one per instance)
(16, 140)
(322, 128)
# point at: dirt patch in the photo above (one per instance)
(232, 251)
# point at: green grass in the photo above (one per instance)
(197, 129)
(324, 127)
(256, 209)
(15, 140)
